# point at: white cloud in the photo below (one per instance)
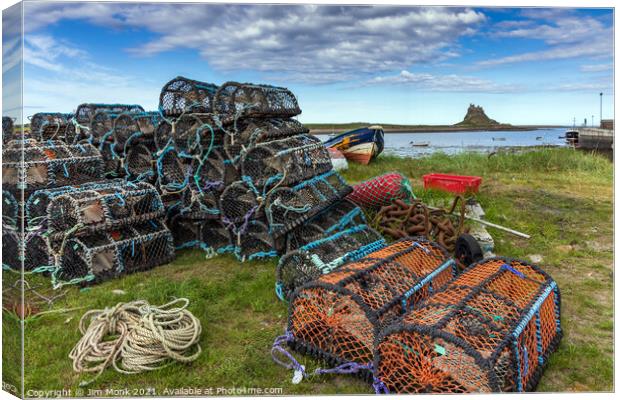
(579, 87)
(11, 53)
(597, 67)
(294, 41)
(443, 83)
(566, 35)
(469, 84)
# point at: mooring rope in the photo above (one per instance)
(134, 337)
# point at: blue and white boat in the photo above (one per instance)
(360, 145)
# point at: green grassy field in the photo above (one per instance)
(563, 198)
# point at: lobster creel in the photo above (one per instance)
(490, 330)
(102, 209)
(285, 161)
(50, 126)
(101, 256)
(338, 316)
(191, 134)
(341, 215)
(36, 205)
(323, 255)
(289, 207)
(381, 191)
(49, 164)
(234, 100)
(135, 127)
(249, 132)
(138, 163)
(183, 95)
(86, 111)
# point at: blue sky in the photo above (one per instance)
(376, 64)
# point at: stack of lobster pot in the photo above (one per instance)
(191, 168)
(288, 192)
(97, 231)
(10, 207)
(98, 125)
(28, 166)
(246, 174)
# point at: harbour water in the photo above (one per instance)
(477, 141)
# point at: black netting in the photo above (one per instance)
(341, 215)
(234, 100)
(86, 111)
(208, 179)
(46, 126)
(285, 161)
(173, 172)
(10, 209)
(112, 159)
(49, 164)
(254, 243)
(11, 247)
(163, 135)
(247, 133)
(91, 120)
(135, 128)
(194, 134)
(101, 256)
(39, 252)
(209, 235)
(288, 207)
(8, 130)
(139, 162)
(239, 205)
(324, 255)
(101, 126)
(183, 95)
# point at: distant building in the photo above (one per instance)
(607, 124)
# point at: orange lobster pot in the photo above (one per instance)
(338, 316)
(492, 329)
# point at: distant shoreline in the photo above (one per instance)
(322, 129)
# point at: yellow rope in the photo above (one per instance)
(135, 337)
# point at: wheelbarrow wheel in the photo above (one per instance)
(468, 250)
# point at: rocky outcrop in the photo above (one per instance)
(477, 117)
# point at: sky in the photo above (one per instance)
(409, 65)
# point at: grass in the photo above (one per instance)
(563, 198)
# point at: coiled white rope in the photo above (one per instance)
(135, 337)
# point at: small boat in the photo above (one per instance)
(420, 144)
(572, 137)
(499, 139)
(360, 145)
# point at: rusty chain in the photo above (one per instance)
(400, 219)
